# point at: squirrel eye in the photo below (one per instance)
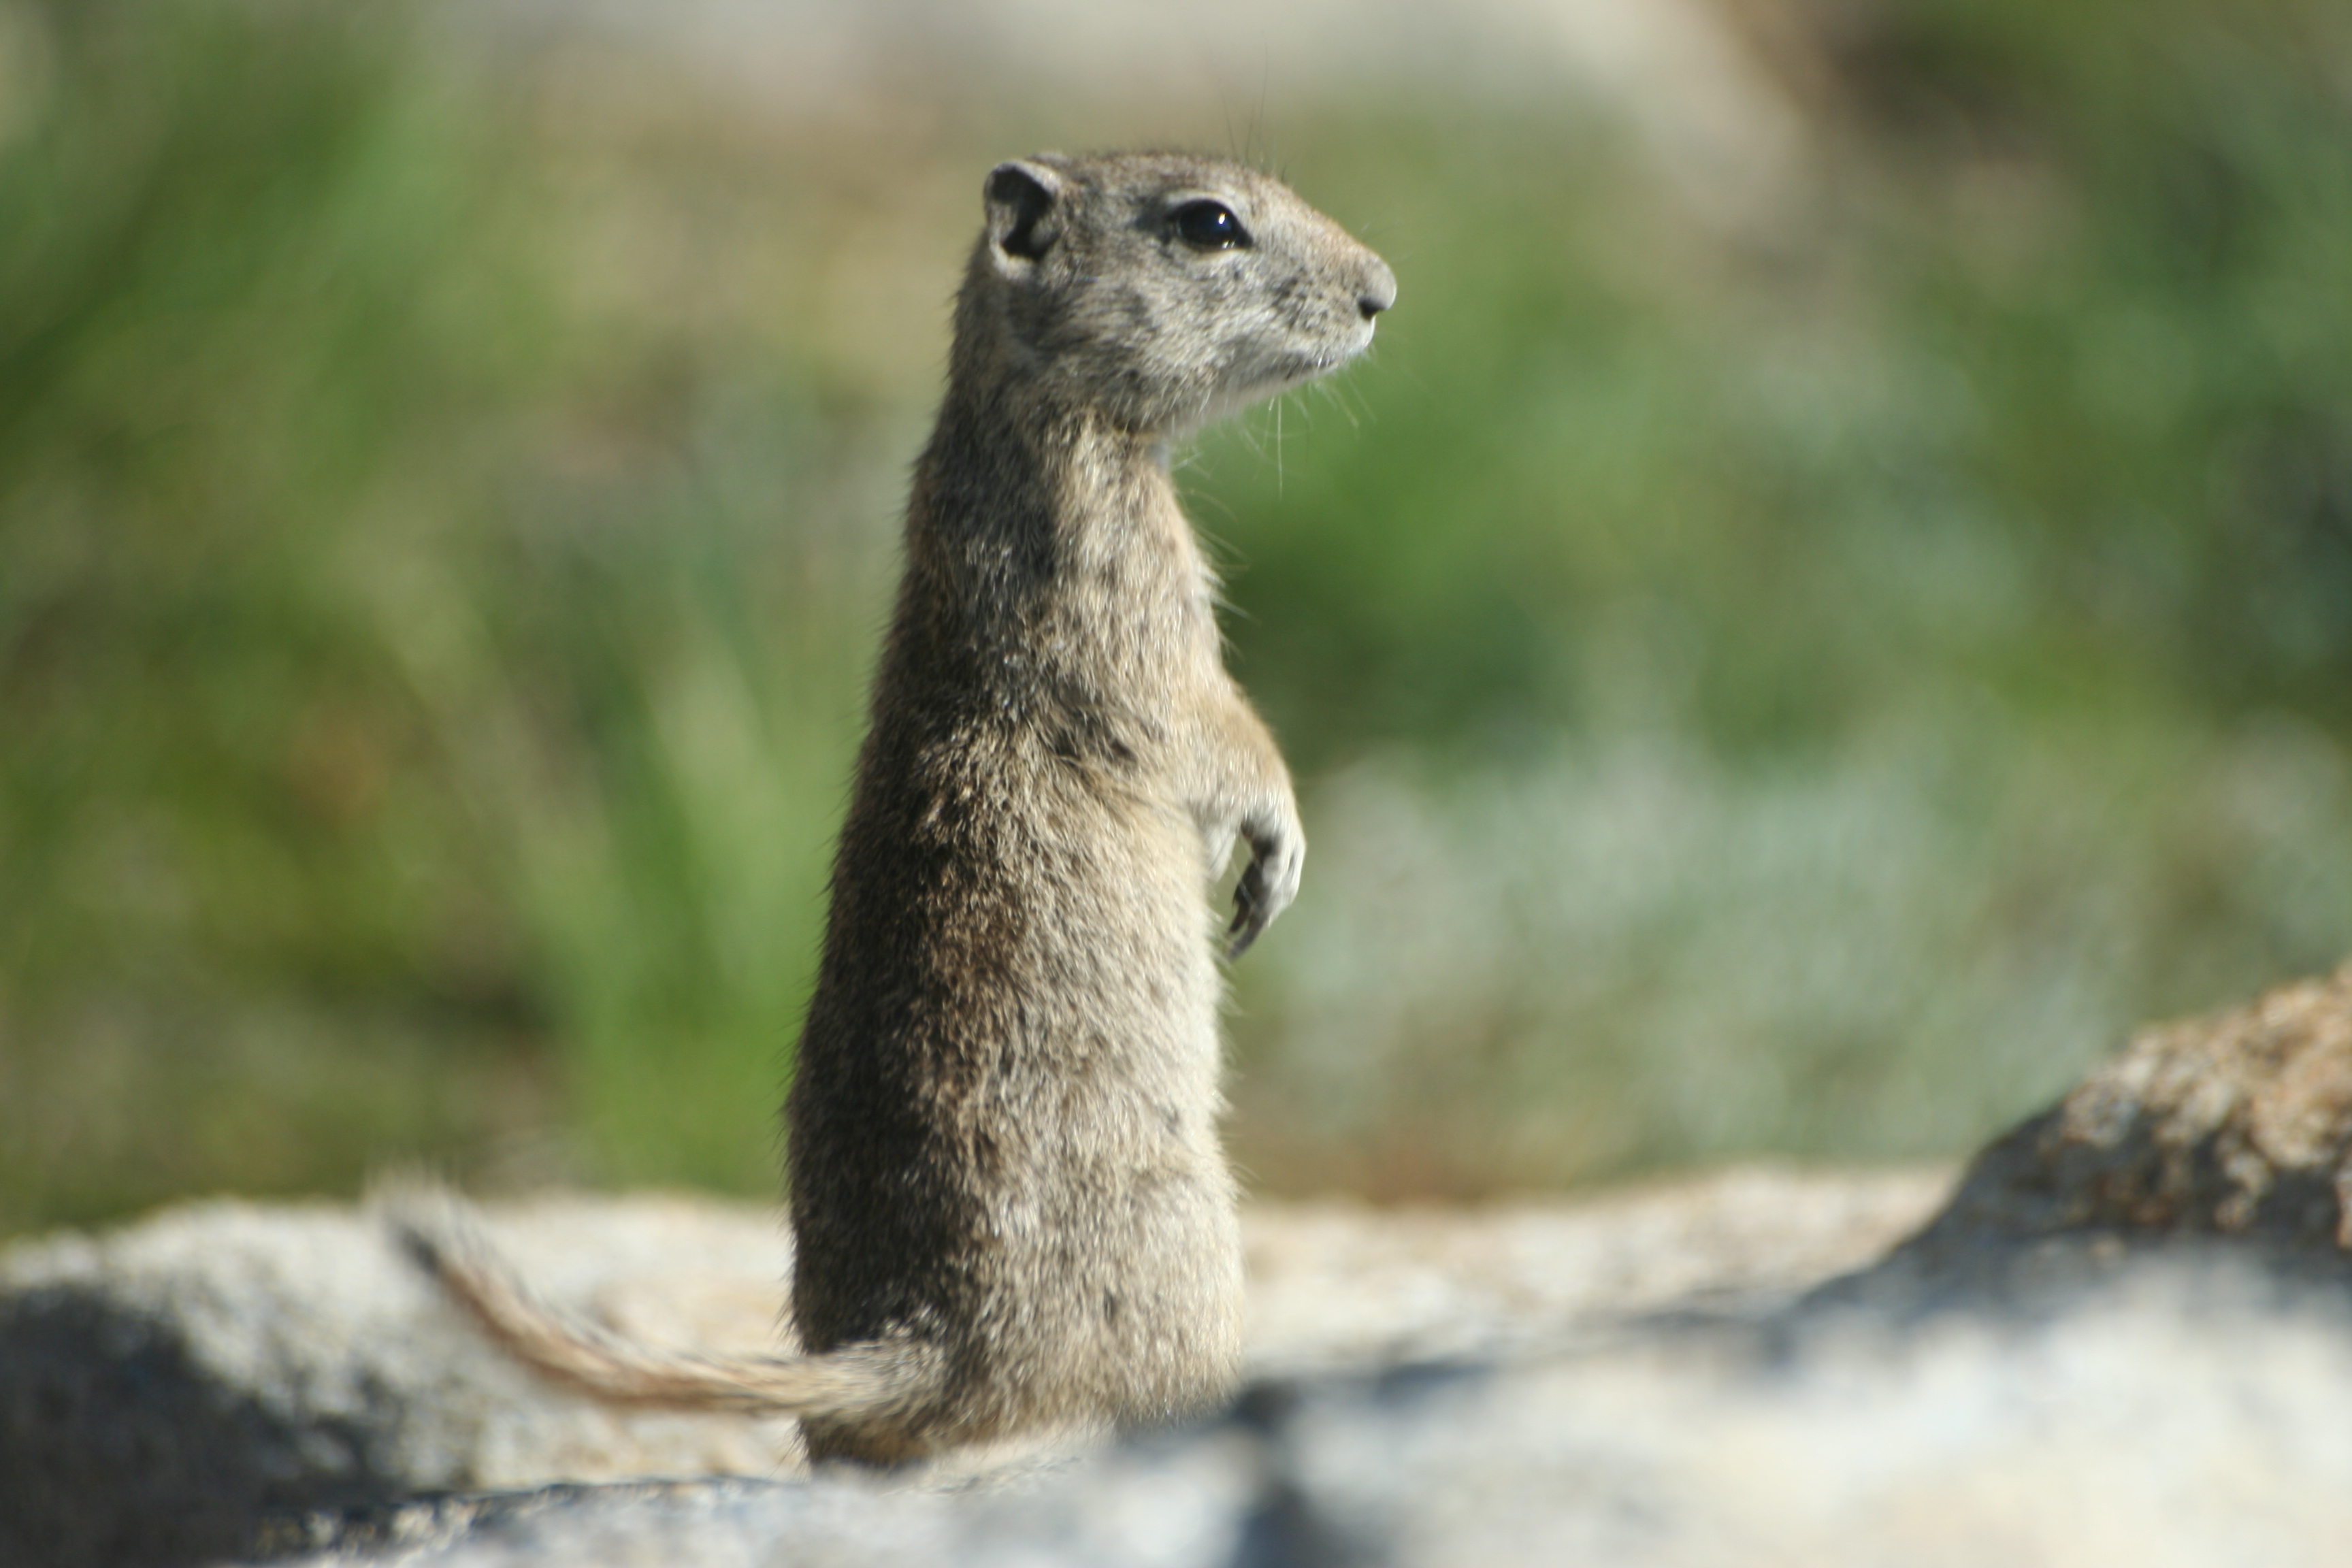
(1209, 225)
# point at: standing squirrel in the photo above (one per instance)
(1011, 1212)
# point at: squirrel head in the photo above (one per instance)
(1159, 291)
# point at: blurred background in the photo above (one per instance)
(1832, 599)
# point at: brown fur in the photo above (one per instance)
(1010, 1206)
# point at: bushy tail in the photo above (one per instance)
(856, 1383)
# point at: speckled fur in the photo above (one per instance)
(1011, 1209)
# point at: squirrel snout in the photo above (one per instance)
(1377, 291)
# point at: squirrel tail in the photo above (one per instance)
(856, 1383)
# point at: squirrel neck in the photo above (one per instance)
(1043, 533)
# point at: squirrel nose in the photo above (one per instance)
(1377, 292)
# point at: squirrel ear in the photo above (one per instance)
(1021, 221)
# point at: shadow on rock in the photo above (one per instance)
(119, 1449)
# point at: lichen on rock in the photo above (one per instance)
(2235, 1124)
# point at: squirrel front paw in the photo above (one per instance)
(1278, 856)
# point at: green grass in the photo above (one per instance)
(1801, 687)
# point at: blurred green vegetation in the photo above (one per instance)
(1797, 684)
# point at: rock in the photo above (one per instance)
(2167, 1416)
(2126, 1336)
(1341, 1286)
(165, 1388)
(2238, 1125)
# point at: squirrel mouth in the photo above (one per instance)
(1286, 372)
(1305, 367)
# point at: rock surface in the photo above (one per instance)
(166, 1387)
(2163, 1418)
(2237, 1126)
(2127, 1336)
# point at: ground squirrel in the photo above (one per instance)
(1010, 1210)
